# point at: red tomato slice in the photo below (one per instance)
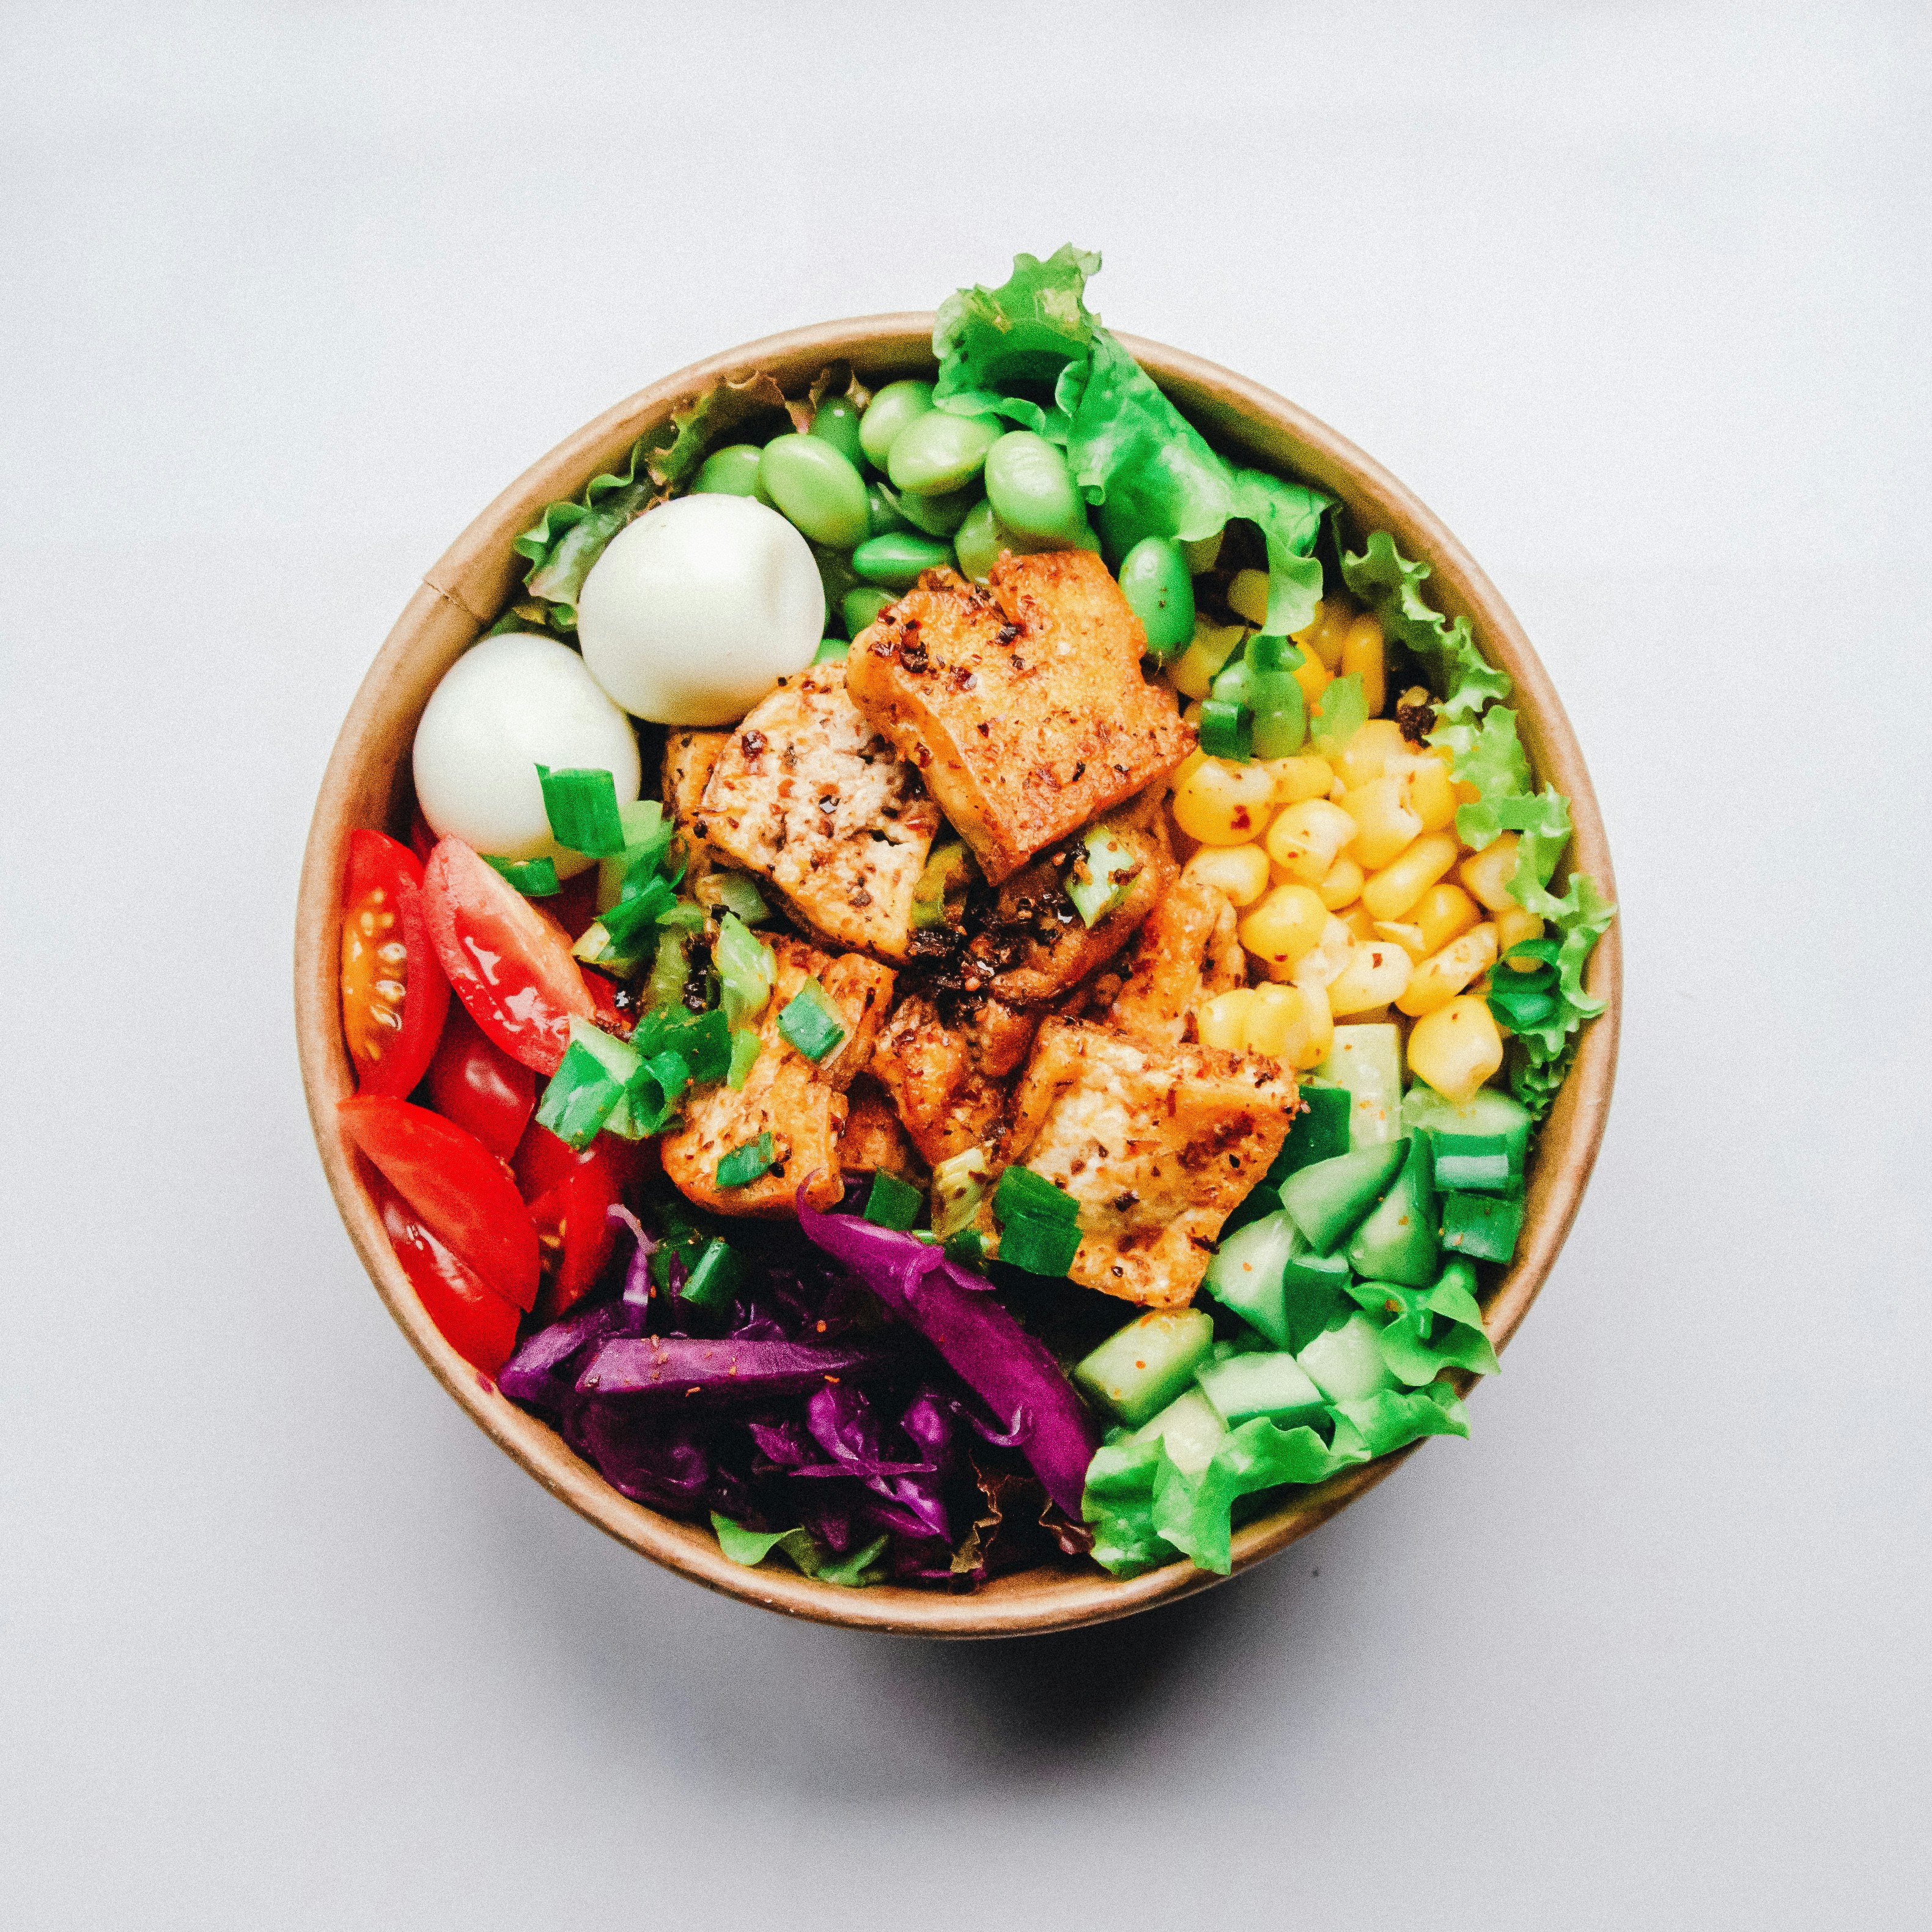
(576, 1235)
(461, 1192)
(394, 992)
(574, 904)
(475, 1083)
(422, 840)
(479, 1325)
(510, 965)
(542, 1161)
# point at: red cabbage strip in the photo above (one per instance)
(540, 1371)
(671, 1368)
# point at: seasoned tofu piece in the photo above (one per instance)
(1062, 949)
(944, 1098)
(805, 794)
(1158, 1143)
(1022, 704)
(873, 1141)
(1189, 950)
(689, 757)
(802, 1106)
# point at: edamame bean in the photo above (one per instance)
(836, 422)
(732, 471)
(814, 487)
(1154, 576)
(896, 561)
(937, 516)
(882, 517)
(981, 538)
(1031, 488)
(937, 452)
(895, 406)
(861, 607)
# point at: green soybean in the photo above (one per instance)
(1153, 575)
(895, 406)
(882, 515)
(937, 452)
(732, 471)
(816, 489)
(937, 516)
(861, 607)
(981, 537)
(836, 421)
(896, 561)
(1031, 488)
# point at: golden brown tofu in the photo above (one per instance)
(805, 794)
(945, 1102)
(801, 1104)
(1158, 1143)
(689, 757)
(1189, 950)
(873, 1141)
(1022, 704)
(1053, 964)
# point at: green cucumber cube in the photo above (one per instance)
(1488, 1114)
(1346, 1362)
(1482, 1226)
(1246, 1274)
(1367, 1060)
(1474, 1164)
(1277, 1386)
(1313, 1291)
(1192, 1429)
(1397, 1242)
(1318, 1133)
(1328, 1200)
(1142, 1367)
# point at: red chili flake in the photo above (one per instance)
(832, 1379)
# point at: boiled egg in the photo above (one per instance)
(506, 705)
(696, 610)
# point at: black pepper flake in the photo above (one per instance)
(1416, 722)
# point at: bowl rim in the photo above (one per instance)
(464, 593)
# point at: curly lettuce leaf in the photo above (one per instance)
(1433, 1328)
(1289, 516)
(1030, 330)
(750, 1547)
(1390, 586)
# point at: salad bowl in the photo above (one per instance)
(368, 785)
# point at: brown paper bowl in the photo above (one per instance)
(367, 784)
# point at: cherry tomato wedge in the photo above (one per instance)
(460, 1191)
(394, 992)
(542, 1161)
(475, 1083)
(510, 965)
(574, 904)
(480, 1325)
(576, 1235)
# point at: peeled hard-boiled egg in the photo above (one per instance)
(697, 610)
(506, 705)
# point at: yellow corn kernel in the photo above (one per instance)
(1455, 1048)
(1394, 890)
(1341, 884)
(1314, 677)
(1284, 926)
(1377, 749)
(1204, 553)
(1247, 596)
(1416, 694)
(1515, 927)
(1222, 1021)
(1408, 937)
(1443, 913)
(1431, 794)
(1198, 666)
(1467, 794)
(1291, 1025)
(1323, 962)
(1384, 826)
(1362, 653)
(1443, 975)
(1185, 769)
(1303, 776)
(1239, 873)
(1191, 715)
(1377, 972)
(1357, 919)
(1306, 839)
(1488, 875)
(1223, 804)
(1324, 635)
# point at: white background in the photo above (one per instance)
(1636, 298)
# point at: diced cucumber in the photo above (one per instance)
(1142, 1367)
(1246, 1274)
(1328, 1200)
(1397, 1242)
(1481, 1226)
(1346, 1362)
(1488, 1114)
(1319, 1132)
(1277, 1386)
(1191, 1427)
(1475, 1163)
(1367, 1060)
(1312, 1291)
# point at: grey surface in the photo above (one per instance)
(1636, 298)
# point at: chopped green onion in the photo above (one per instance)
(582, 807)
(1039, 1246)
(944, 878)
(714, 1280)
(636, 912)
(535, 878)
(1281, 714)
(646, 833)
(1478, 1163)
(746, 1048)
(744, 1165)
(665, 987)
(1234, 685)
(1111, 866)
(1481, 1226)
(1273, 654)
(968, 1248)
(735, 892)
(959, 1186)
(704, 1039)
(1022, 1192)
(595, 948)
(1342, 713)
(580, 1097)
(892, 1202)
(811, 1022)
(832, 650)
(746, 969)
(1227, 731)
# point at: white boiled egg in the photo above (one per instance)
(697, 610)
(506, 705)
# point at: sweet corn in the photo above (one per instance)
(1362, 654)
(1306, 839)
(1431, 794)
(1357, 919)
(1204, 553)
(1377, 972)
(1408, 937)
(1222, 1022)
(1225, 805)
(1247, 596)
(1324, 635)
(1198, 666)
(1377, 749)
(1291, 1025)
(1341, 884)
(1239, 873)
(1515, 927)
(1384, 825)
(1284, 927)
(1185, 769)
(1394, 890)
(1443, 913)
(1488, 875)
(1314, 677)
(1322, 964)
(1443, 975)
(1303, 776)
(1455, 1048)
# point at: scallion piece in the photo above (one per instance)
(1234, 685)
(714, 1280)
(535, 878)
(1342, 713)
(1110, 865)
(967, 1247)
(1039, 1246)
(959, 1186)
(1022, 1192)
(744, 1165)
(703, 1040)
(582, 807)
(646, 834)
(811, 1022)
(580, 1097)
(746, 1048)
(746, 970)
(1281, 714)
(665, 987)
(738, 892)
(630, 920)
(1273, 654)
(892, 1202)
(1227, 731)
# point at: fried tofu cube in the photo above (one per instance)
(805, 794)
(945, 1100)
(801, 1104)
(873, 1141)
(1157, 1143)
(1190, 949)
(1022, 704)
(688, 760)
